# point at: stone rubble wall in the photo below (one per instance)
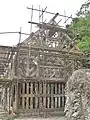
(78, 96)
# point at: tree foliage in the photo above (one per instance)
(84, 9)
(81, 27)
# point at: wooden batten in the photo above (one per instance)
(23, 95)
(31, 99)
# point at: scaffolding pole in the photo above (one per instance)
(50, 12)
(28, 57)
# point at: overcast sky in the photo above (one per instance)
(14, 14)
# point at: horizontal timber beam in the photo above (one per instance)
(40, 79)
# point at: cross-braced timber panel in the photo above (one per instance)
(41, 96)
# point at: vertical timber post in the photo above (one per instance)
(17, 80)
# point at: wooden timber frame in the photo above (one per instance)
(45, 61)
(42, 92)
(39, 69)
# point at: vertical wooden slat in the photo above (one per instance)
(31, 99)
(9, 99)
(38, 84)
(40, 89)
(55, 94)
(29, 87)
(49, 92)
(55, 88)
(40, 92)
(59, 88)
(6, 96)
(36, 92)
(44, 92)
(48, 102)
(27, 96)
(52, 95)
(29, 92)
(55, 102)
(63, 95)
(29, 102)
(58, 92)
(23, 95)
(21, 88)
(48, 88)
(59, 102)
